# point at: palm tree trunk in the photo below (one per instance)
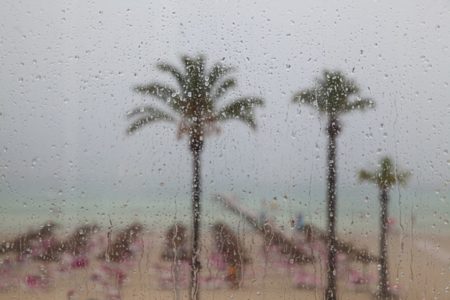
(383, 292)
(196, 149)
(333, 130)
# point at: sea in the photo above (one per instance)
(411, 209)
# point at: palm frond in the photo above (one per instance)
(165, 67)
(403, 177)
(348, 85)
(187, 60)
(308, 97)
(386, 175)
(241, 109)
(168, 95)
(195, 82)
(332, 95)
(147, 115)
(217, 72)
(360, 104)
(224, 87)
(156, 89)
(146, 110)
(193, 65)
(193, 102)
(364, 175)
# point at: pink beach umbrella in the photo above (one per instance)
(36, 281)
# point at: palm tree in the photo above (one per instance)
(333, 95)
(385, 177)
(193, 107)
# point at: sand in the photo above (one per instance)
(419, 265)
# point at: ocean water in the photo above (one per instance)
(412, 209)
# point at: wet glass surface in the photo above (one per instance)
(224, 149)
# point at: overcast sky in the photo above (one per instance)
(66, 69)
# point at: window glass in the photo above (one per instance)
(224, 149)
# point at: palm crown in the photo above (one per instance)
(194, 99)
(332, 95)
(386, 175)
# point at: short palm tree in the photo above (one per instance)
(385, 177)
(193, 106)
(333, 95)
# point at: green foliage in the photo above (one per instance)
(333, 94)
(386, 176)
(145, 115)
(193, 102)
(241, 109)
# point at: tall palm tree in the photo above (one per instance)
(385, 177)
(333, 95)
(193, 106)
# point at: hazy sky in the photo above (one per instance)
(66, 69)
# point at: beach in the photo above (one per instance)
(419, 266)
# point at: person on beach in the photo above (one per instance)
(299, 222)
